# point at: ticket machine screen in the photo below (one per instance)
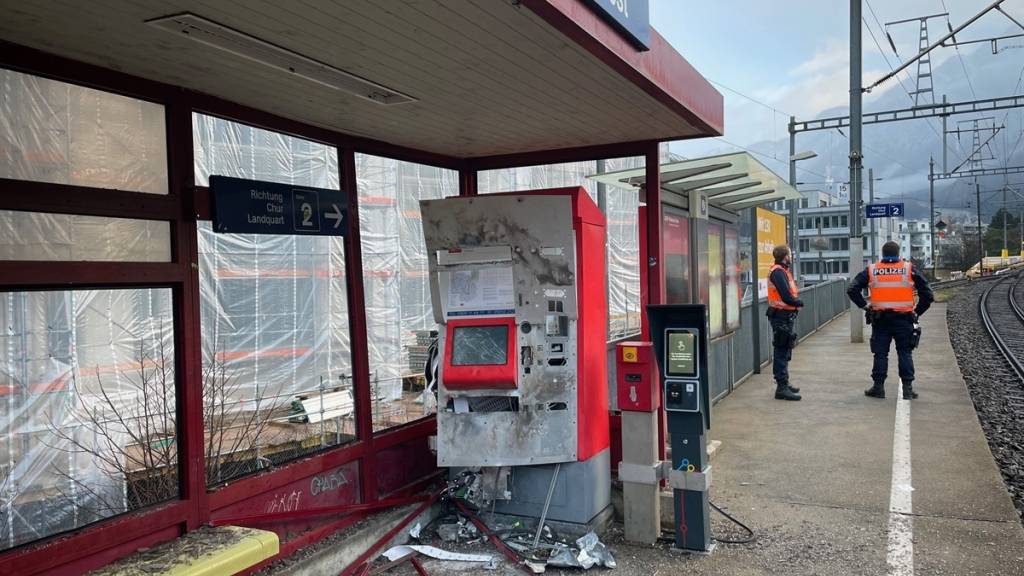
(480, 354)
(479, 345)
(680, 354)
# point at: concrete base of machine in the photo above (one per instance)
(582, 491)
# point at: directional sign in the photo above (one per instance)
(254, 207)
(884, 210)
(877, 210)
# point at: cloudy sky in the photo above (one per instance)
(792, 56)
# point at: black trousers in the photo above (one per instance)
(885, 329)
(783, 338)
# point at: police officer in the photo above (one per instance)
(783, 306)
(892, 315)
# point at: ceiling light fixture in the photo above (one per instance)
(240, 44)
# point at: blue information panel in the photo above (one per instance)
(631, 17)
(254, 207)
(884, 210)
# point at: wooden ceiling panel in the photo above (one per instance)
(489, 76)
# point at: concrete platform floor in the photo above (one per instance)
(814, 478)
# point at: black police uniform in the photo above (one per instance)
(783, 323)
(888, 326)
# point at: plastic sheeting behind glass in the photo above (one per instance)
(277, 377)
(399, 315)
(73, 237)
(622, 232)
(52, 131)
(228, 148)
(87, 414)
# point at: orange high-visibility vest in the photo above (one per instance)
(892, 286)
(774, 299)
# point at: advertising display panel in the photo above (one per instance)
(771, 232)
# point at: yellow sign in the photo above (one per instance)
(629, 354)
(771, 232)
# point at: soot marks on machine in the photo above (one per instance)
(552, 270)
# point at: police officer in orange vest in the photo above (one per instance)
(892, 315)
(783, 306)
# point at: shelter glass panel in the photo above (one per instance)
(676, 239)
(277, 369)
(715, 279)
(87, 408)
(227, 148)
(621, 207)
(277, 376)
(399, 315)
(732, 278)
(74, 237)
(52, 131)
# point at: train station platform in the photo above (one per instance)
(823, 480)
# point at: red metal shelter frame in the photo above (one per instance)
(186, 204)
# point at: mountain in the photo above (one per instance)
(899, 151)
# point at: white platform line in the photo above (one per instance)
(900, 554)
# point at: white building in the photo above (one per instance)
(824, 236)
(915, 238)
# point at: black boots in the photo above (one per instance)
(786, 384)
(908, 390)
(784, 392)
(876, 391)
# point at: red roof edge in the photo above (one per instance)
(661, 71)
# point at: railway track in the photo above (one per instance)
(1002, 314)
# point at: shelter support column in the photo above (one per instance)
(652, 284)
(357, 326)
(187, 335)
(467, 181)
(652, 197)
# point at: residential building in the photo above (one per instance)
(915, 238)
(823, 250)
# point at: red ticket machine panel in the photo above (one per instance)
(637, 379)
(480, 354)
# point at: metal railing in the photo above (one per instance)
(731, 358)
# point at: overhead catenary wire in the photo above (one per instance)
(891, 68)
(959, 55)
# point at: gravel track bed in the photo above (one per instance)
(997, 394)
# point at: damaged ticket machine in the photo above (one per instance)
(518, 286)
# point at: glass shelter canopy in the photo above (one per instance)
(731, 182)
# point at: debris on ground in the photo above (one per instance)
(589, 552)
(396, 552)
(459, 534)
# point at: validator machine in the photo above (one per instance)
(517, 284)
(680, 336)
